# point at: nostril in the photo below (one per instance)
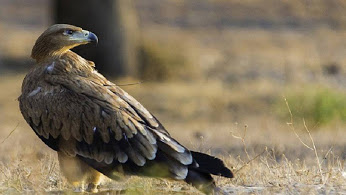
(86, 34)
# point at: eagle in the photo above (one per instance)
(98, 129)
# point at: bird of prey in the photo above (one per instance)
(95, 126)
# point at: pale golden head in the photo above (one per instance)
(60, 38)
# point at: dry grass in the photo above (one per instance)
(265, 155)
(264, 13)
(284, 56)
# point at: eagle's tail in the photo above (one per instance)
(200, 177)
(211, 164)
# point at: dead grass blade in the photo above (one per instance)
(9, 134)
(315, 150)
(248, 162)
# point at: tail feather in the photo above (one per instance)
(199, 176)
(212, 165)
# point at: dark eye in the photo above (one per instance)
(69, 32)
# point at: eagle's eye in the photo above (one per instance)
(69, 32)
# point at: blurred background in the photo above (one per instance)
(210, 70)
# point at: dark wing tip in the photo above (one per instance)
(225, 172)
(211, 164)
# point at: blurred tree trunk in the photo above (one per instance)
(115, 24)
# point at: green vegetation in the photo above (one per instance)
(319, 106)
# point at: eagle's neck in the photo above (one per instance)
(45, 54)
(44, 51)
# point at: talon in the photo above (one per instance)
(78, 189)
(93, 188)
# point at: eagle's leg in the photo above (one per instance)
(93, 180)
(79, 173)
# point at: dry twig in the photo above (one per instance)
(292, 126)
(248, 162)
(315, 150)
(244, 145)
(242, 140)
(129, 84)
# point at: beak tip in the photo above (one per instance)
(93, 38)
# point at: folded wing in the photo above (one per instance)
(93, 119)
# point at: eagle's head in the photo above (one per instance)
(58, 39)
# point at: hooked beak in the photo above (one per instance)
(91, 37)
(84, 37)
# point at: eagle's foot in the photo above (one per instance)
(93, 188)
(78, 189)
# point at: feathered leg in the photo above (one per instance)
(202, 181)
(78, 173)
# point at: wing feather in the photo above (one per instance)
(102, 126)
(95, 119)
(55, 126)
(36, 119)
(45, 121)
(147, 153)
(135, 104)
(76, 128)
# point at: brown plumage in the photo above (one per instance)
(95, 126)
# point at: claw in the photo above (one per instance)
(93, 188)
